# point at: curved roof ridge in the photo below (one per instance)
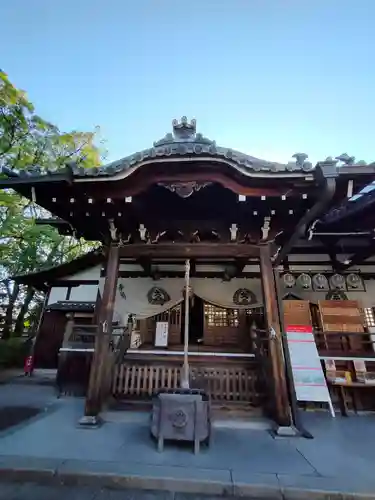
(184, 143)
(185, 140)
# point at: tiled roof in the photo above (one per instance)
(71, 306)
(183, 141)
(45, 276)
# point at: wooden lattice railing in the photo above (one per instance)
(223, 384)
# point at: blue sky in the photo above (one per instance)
(266, 77)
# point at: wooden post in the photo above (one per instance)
(279, 384)
(97, 380)
(185, 369)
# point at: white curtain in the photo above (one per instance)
(136, 302)
(213, 290)
(220, 293)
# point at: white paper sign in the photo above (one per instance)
(161, 336)
(309, 380)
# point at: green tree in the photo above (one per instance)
(28, 141)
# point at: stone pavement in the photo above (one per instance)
(17, 376)
(51, 448)
(32, 491)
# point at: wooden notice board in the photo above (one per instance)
(309, 380)
(341, 316)
(161, 334)
(297, 312)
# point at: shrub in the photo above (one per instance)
(13, 352)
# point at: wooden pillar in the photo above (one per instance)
(279, 383)
(97, 382)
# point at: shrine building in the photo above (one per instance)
(203, 244)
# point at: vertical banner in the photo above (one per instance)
(309, 380)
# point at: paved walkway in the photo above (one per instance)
(32, 491)
(338, 460)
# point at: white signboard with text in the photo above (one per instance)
(161, 335)
(309, 380)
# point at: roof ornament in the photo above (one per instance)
(350, 160)
(329, 161)
(184, 189)
(183, 131)
(301, 162)
(346, 159)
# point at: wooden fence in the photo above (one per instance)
(223, 384)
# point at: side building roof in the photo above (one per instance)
(41, 279)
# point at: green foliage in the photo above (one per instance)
(28, 141)
(13, 352)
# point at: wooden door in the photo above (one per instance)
(49, 339)
(147, 326)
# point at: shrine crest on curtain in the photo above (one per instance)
(157, 296)
(244, 297)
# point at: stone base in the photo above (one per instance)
(90, 422)
(285, 432)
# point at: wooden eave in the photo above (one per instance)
(181, 157)
(47, 276)
(156, 257)
(356, 211)
(63, 188)
(74, 207)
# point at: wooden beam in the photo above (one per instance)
(330, 244)
(143, 180)
(193, 268)
(234, 269)
(94, 397)
(360, 256)
(279, 383)
(145, 263)
(194, 250)
(326, 174)
(180, 274)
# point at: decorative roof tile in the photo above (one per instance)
(185, 141)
